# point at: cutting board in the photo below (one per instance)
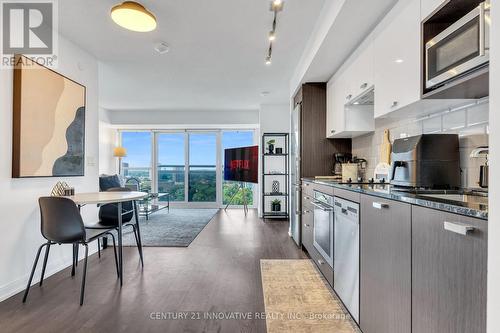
(385, 148)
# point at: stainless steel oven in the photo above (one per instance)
(460, 48)
(323, 225)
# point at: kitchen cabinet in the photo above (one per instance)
(385, 266)
(396, 51)
(427, 7)
(344, 118)
(307, 224)
(449, 273)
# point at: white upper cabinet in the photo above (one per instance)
(353, 79)
(396, 51)
(429, 6)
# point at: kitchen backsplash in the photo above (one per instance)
(469, 121)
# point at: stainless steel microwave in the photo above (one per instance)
(460, 48)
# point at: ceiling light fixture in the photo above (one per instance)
(276, 6)
(399, 61)
(133, 16)
(272, 36)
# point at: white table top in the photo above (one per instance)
(106, 197)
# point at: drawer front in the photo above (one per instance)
(307, 227)
(348, 195)
(323, 266)
(307, 189)
(324, 189)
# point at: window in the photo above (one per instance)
(171, 165)
(202, 167)
(137, 163)
(235, 139)
(187, 164)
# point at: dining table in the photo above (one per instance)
(118, 198)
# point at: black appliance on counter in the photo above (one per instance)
(426, 161)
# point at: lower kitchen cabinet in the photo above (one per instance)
(307, 226)
(385, 267)
(449, 273)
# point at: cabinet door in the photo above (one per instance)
(397, 58)
(331, 120)
(429, 6)
(385, 270)
(360, 71)
(449, 274)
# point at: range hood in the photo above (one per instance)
(366, 98)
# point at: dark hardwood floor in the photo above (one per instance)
(218, 272)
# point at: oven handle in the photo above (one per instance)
(321, 206)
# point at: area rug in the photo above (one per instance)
(176, 228)
(297, 300)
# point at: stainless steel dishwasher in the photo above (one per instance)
(346, 255)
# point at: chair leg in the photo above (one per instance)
(33, 272)
(77, 249)
(116, 256)
(138, 243)
(99, 247)
(82, 292)
(74, 260)
(138, 237)
(45, 263)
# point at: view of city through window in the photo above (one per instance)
(172, 164)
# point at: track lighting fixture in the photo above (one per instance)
(276, 6)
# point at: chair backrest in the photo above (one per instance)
(61, 221)
(108, 214)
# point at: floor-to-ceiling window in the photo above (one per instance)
(137, 163)
(202, 167)
(231, 190)
(186, 164)
(171, 165)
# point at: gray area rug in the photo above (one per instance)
(178, 228)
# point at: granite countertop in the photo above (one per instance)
(471, 209)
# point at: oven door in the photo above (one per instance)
(460, 48)
(323, 226)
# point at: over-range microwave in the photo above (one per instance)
(462, 47)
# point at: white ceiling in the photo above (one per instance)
(216, 60)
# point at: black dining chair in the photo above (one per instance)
(61, 223)
(108, 218)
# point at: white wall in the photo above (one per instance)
(273, 118)
(188, 118)
(494, 213)
(20, 222)
(108, 139)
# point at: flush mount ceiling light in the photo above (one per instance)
(133, 16)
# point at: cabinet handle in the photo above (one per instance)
(307, 198)
(380, 205)
(349, 96)
(458, 228)
(306, 212)
(332, 131)
(307, 225)
(364, 85)
(321, 262)
(394, 104)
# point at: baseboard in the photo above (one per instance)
(10, 289)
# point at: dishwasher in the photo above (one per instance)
(346, 255)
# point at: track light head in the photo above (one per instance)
(268, 60)
(277, 5)
(272, 36)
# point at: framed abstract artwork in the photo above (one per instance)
(48, 123)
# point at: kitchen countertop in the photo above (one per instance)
(387, 191)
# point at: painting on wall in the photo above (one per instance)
(49, 123)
